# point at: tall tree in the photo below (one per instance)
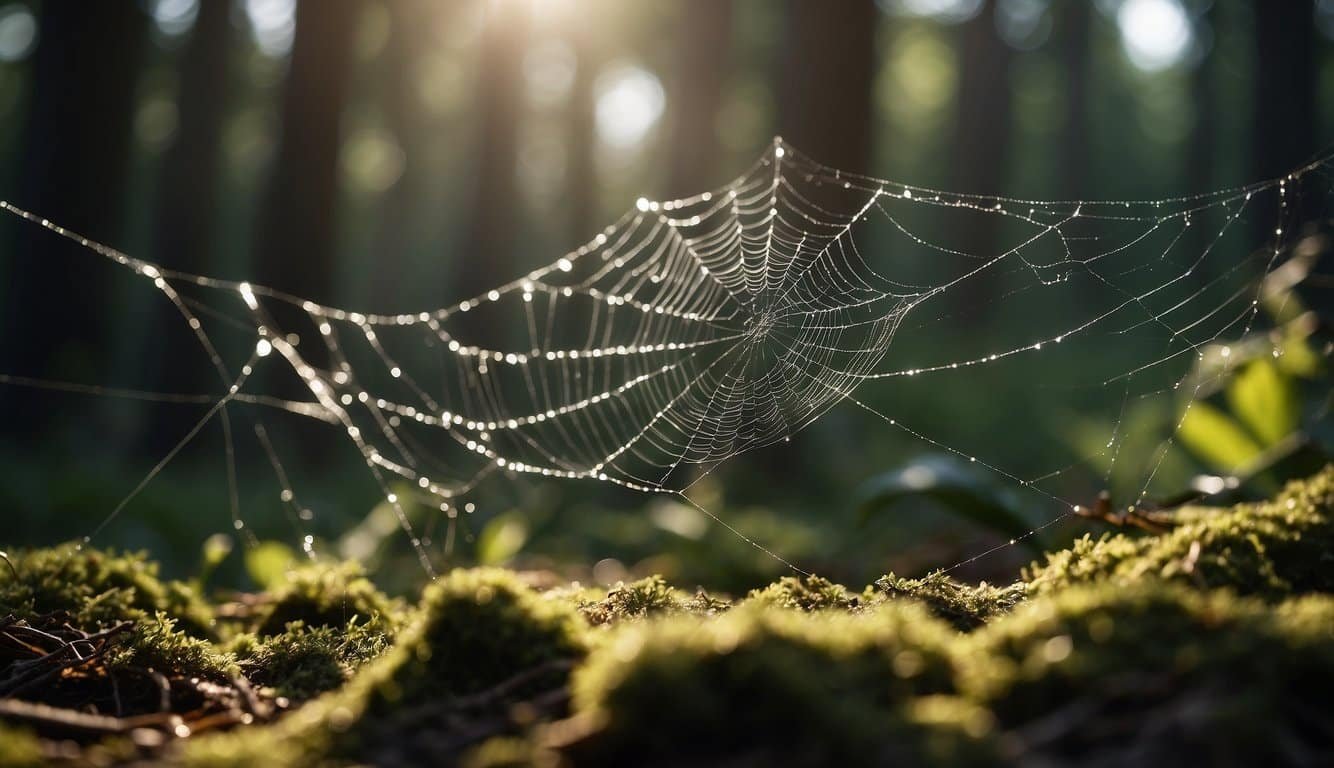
(703, 55)
(1203, 144)
(1284, 117)
(581, 168)
(73, 169)
(982, 134)
(826, 76)
(1075, 24)
(188, 189)
(400, 100)
(983, 115)
(296, 243)
(487, 258)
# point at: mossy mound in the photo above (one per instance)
(19, 748)
(303, 662)
(326, 596)
(805, 593)
(156, 644)
(1273, 549)
(1120, 652)
(481, 642)
(766, 687)
(1152, 673)
(647, 597)
(480, 628)
(96, 588)
(964, 606)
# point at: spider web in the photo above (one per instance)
(694, 330)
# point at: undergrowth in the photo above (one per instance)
(1212, 642)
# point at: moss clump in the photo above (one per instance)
(805, 593)
(156, 644)
(303, 662)
(479, 628)
(96, 588)
(19, 748)
(476, 630)
(651, 596)
(767, 687)
(1271, 549)
(326, 596)
(1152, 673)
(965, 606)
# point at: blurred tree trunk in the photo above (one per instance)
(1075, 22)
(408, 22)
(1283, 119)
(77, 147)
(1203, 142)
(981, 147)
(703, 58)
(297, 237)
(1204, 95)
(187, 199)
(581, 168)
(983, 118)
(297, 243)
(825, 80)
(487, 258)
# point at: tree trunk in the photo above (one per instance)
(1075, 20)
(704, 58)
(826, 76)
(581, 169)
(981, 150)
(1283, 121)
(187, 198)
(409, 20)
(73, 170)
(982, 130)
(487, 259)
(1283, 118)
(297, 237)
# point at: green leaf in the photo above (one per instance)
(268, 563)
(501, 539)
(216, 549)
(1297, 358)
(1216, 439)
(960, 486)
(1265, 400)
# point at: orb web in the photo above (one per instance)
(693, 330)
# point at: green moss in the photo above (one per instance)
(1152, 673)
(475, 629)
(651, 596)
(303, 662)
(805, 593)
(511, 752)
(156, 644)
(965, 606)
(1271, 549)
(96, 588)
(479, 628)
(768, 687)
(19, 748)
(326, 596)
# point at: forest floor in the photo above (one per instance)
(1208, 640)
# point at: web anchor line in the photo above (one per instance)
(691, 331)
